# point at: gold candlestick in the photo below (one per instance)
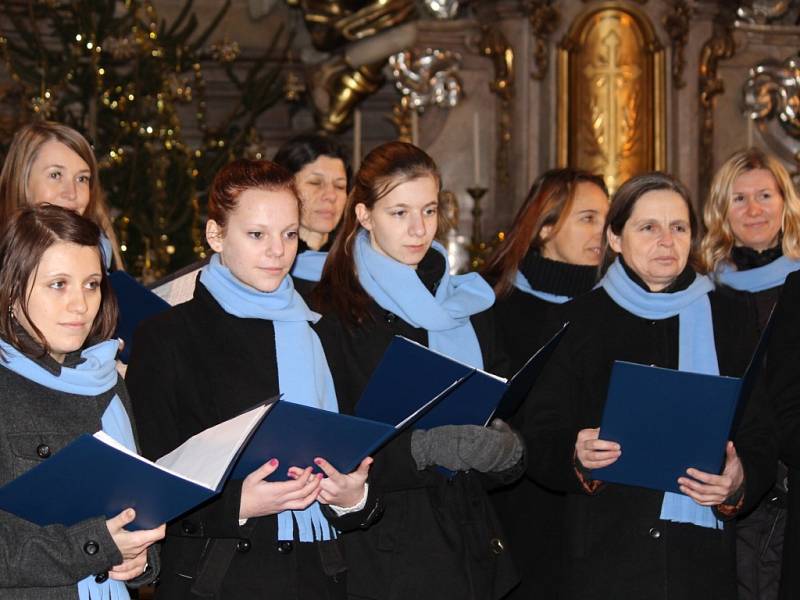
(477, 247)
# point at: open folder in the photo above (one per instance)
(136, 303)
(411, 371)
(95, 475)
(667, 421)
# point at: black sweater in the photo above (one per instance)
(192, 367)
(616, 545)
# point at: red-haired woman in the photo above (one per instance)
(549, 257)
(438, 537)
(244, 337)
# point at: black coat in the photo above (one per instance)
(192, 367)
(438, 537)
(782, 388)
(616, 546)
(531, 514)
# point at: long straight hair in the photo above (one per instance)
(16, 173)
(382, 170)
(549, 202)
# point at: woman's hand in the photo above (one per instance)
(132, 543)
(594, 453)
(260, 498)
(709, 490)
(130, 569)
(337, 488)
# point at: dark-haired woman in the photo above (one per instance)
(550, 256)
(245, 337)
(385, 276)
(752, 216)
(651, 308)
(58, 381)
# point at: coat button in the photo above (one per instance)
(243, 546)
(188, 527)
(285, 547)
(43, 451)
(390, 317)
(91, 547)
(496, 546)
(654, 533)
(101, 577)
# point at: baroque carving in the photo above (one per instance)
(676, 24)
(720, 46)
(443, 9)
(543, 18)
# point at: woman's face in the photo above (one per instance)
(579, 240)
(259, 242)
(755, 212)
(63, 297)
(322, 186)
(59, 176)
(403, 223)
(657, 238)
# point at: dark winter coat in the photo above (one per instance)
(616, 545)
(782, 389)
(192, 367)
(46, 563)
(438, 537)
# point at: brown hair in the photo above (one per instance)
(23, 243)
(383, 169)
(243, 174)
(718, 242)
(548, 203)
(628, 195)
(16, 172)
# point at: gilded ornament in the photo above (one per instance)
(763, 11)
(543, 18)
(427, 79)
(225, 51)
(443, 9)
(676, 24)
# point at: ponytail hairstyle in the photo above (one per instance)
(549, 202)
(382, 170)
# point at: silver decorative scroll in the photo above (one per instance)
(428, 79)
(442, 9)
(772, 101)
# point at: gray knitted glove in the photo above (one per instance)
(463, 447)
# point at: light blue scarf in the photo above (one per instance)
(308, 265)
(95, 375)
(295, 344)
(522, 284)
(397, 288)
(759, 279)
(696, 353)
(106, 253)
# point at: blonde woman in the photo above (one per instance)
(753, 242)
(50, 163)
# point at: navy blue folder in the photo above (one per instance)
(297, 434)
(411, 373)
(666, 421)
(136, 303)
(88, 478)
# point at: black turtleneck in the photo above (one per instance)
(746, 258)
(555, 277)
(430, 269)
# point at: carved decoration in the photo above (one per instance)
(720, 46)
(676, 24)
(494, 45)
(763, 11)
(544, 19)
(772, 99)
(443, 9)
(611, 108)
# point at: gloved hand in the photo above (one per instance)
(463, 447)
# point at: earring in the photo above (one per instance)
(11, 312)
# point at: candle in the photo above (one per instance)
(476, 147)
(414, 127)
(749, 131)
(356, 139)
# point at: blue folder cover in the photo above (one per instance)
(666, 421)
(410, 373)
(88, 478)
(297, 434)
(136, 303)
